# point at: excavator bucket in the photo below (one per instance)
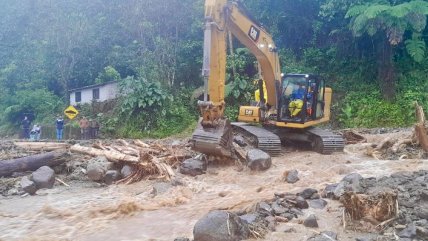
(214, 140)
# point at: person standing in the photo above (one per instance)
(59, 128)
(38, 132)
(35, 133)
(26, 123)
(84, 127)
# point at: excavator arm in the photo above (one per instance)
(222, 16)
(213, 134)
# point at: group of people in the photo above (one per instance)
(89, 129)
(33, 134)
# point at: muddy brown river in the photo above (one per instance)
(86, 211)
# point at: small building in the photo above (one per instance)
(99, 93)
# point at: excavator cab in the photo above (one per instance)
(301, 99)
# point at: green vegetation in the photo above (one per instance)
(372, 52)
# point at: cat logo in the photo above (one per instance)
(71, 112)
(249, 112)
(254, 33)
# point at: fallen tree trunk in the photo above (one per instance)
(113, 156)
(420, 129)
(30, 163)
(421, 134)
(37, 146)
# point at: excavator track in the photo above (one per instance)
(265, 140)
(324, 141)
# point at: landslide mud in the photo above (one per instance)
(132, 212)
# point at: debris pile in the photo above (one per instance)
(136, 160)
(259, 220)
(414, 146)
(112, 161)
(395, 206)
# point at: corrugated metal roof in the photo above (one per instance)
(92, 86)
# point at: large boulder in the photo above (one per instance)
(126, 171)
(311, 221)
(264, 208)
(28, 186)
(307, 193)
(408, 232)
(292, 176)
(97, 168)
(301, 203)
(249, 218)
(220, 226)
(44, 177)
(350, 183)
(161, 187)
(328, 191)
(324, 236)
(181, 239)
(317, 203)
(258, 160)
(194, 166)
(111, 176)
(239, 140)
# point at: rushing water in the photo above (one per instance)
(88, 212)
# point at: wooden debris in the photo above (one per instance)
(375, 209)
(399, 144)
(154, 160)
(141, 144)
(31, 163)
(353, 137)
(62, 182)
(42, 146)
(113, 156)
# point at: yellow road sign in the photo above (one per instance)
(71, 112)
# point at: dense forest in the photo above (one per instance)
(372, 52)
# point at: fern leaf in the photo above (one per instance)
(400, 11)
(419, 6)
(375, 10)
(355, 11)
(359, 24)
(416, 49)
(371, 29)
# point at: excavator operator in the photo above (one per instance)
(296, 103)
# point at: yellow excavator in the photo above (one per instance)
(288, 106)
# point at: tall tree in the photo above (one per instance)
(387, 23)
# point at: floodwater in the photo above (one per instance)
(85, 211)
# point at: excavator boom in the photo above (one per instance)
(213, 134)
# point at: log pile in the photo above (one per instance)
(148, 160)
(414, 146)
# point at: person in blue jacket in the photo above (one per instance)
(296, 103)
(59, 128)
